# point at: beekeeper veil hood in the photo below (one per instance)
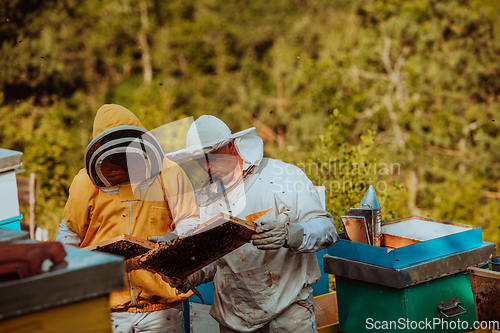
(122, 150)
(213, 171)
(208, 133)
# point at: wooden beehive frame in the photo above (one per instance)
(485, 285)
(199, 247)
(217, 221)
(124, 245)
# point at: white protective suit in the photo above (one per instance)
(253, 286)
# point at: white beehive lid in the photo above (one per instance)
(10, 159)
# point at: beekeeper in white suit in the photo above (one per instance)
(265, 285)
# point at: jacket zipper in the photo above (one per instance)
(128, 266)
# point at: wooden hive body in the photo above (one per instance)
(199, 247)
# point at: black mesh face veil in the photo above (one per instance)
(122, 155)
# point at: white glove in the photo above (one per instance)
(163, 239)
(273, 235)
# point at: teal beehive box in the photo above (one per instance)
(415, 281)
(10, 160)
(423, 238)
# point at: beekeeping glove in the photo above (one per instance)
(186, 284)
(273, 235)
(132, 264)
(182, 285)
(163, 239)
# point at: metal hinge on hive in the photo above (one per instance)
(450, 308)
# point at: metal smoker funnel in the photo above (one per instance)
(370, 202)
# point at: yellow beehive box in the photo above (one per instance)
(327, 318)
(85, 316)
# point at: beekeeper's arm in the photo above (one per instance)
(74, 224)
(204, 275)
(180, 197)
(67, 236)
(308, 227)
(181, 201)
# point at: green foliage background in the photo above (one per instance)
(403, 94)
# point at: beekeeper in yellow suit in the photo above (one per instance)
(124, 189)
(266, 285)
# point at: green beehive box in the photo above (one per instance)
(412, 309)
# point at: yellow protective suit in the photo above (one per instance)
(100, 214)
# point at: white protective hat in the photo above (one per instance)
(209, 133)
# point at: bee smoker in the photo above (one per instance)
(362, 224)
